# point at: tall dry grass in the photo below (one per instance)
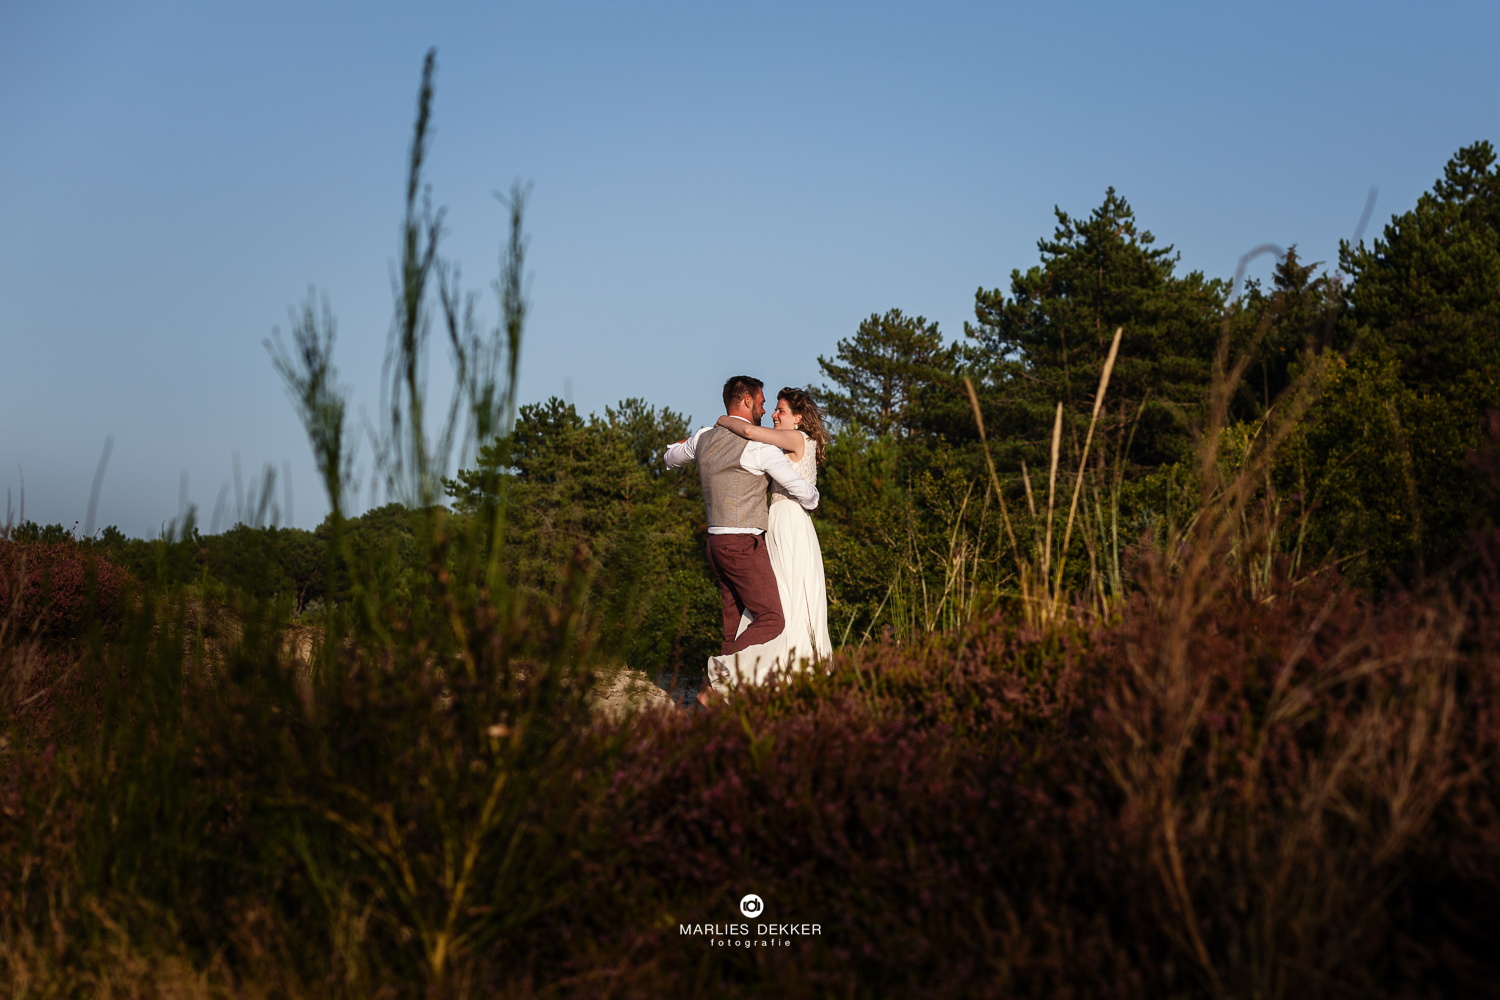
(1230, 788)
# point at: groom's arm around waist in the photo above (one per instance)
(771, 461)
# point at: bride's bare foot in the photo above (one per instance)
(707, 696)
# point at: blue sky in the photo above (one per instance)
(717, 187)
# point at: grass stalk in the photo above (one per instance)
(994, 479)
(1104, 374)
(1046, 575)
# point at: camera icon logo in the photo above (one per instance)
(751, 906)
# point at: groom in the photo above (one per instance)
(733, 472)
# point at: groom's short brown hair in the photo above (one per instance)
(740, 385)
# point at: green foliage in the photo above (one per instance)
(1427, 294)
(1381, 459)
(597, 490)
(863, 510)
(47, 534)
(1375, 474)
(878, 373)
(267, 563)
(1381, 471)
(1047, 342)
(1278, 330)
(909, 547)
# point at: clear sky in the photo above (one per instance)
(718, 187)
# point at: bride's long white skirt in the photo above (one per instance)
(797, 560)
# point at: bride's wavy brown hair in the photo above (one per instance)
(803, 405)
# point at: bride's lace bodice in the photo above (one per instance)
(807, 469)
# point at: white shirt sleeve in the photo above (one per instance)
(772, 461)
(684, 452)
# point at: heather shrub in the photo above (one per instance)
(937, 853)
(1280, 759)
(1277, 792)
(59, 589)
(1273, 801)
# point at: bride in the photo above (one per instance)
(792, 543)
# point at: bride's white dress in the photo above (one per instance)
(797, 560)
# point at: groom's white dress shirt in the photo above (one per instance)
(759, 458)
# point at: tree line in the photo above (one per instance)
(1387, 365)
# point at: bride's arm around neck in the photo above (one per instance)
(791, 442)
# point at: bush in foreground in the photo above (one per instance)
(1284, 795)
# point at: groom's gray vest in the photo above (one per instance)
(734, 497)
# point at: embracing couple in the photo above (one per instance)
(764, 553)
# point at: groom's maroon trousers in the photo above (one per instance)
(742, 566)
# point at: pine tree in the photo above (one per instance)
(1282, 328)
(1427, 294)
(597, 487)
(1047, 341)
(877, 375)
(1385, 452)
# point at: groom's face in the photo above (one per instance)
(757, 406)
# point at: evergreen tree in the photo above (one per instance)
(1427, 294)
(647, 432)
(571, 482)
(878, 374)
(1385, 450)
(1046, 343)
(598, 488)
(1282, 327)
